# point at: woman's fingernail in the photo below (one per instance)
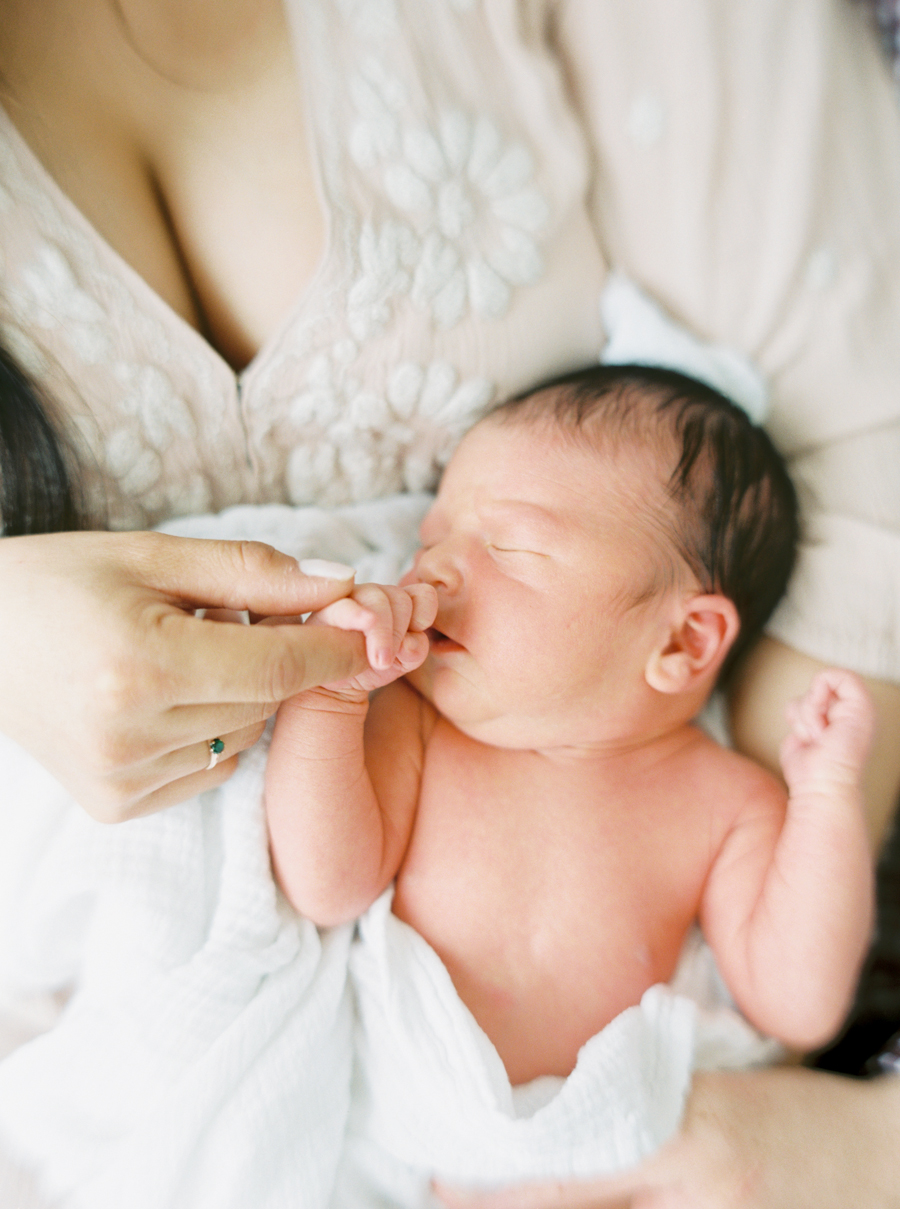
(320, 568)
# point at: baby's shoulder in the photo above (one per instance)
(733, 784)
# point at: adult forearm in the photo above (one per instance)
(773, 1139)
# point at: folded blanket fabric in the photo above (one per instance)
(432, 1098)
(204, 1060)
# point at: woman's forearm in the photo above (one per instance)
(771, 1139)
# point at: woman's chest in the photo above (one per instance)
(182, 143)
(395, 227)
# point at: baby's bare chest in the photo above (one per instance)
(553, 906)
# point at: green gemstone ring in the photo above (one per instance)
(216, 747)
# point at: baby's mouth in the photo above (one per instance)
(439, 642)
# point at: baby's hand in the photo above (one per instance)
(832, 728)
(393, 622)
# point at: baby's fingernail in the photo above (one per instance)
(320, 568)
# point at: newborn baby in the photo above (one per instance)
(529, 775)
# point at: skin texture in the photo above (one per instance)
(169, 117)
(148, 114)
(773, 1139)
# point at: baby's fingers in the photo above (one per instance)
(380, 613)
(345, 614)
(384, 615)
(424, 606)
(392, 608)
(808, 715)
(412, 653)
(836, 698)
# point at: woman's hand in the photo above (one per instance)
(786, 1138)
(114, 685)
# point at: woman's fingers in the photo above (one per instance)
(221, 661)
(171, 793)
(189, 769)
(237, 575)
(219, 748)
(184, 724)
(768, 1139)
(115, 612)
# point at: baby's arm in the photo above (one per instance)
(788, 909)
(335, 844)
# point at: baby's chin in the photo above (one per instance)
(492, 730)
(421, 681)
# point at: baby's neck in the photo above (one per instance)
(607, 756)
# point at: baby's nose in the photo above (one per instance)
(436, 565)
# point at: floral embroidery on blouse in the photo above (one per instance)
(437, 217)
(473, 210)
(373, 443)
(151, 414)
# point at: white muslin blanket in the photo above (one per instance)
(204, 1060)
(432, 1098)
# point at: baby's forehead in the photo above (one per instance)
(611, 479)
(637, 454)
(512, 468)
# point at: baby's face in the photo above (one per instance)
(543, 559)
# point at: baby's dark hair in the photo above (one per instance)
(736, 520)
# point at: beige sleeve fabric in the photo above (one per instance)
(746, 158)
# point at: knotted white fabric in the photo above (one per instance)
(432, 1098)
(640, 332)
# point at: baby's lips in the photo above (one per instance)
(439, 640)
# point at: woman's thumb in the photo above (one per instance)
(242, 575)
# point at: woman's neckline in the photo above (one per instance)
(150, 298)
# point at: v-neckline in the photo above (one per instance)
(140, 287)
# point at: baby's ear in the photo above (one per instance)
(704, 631)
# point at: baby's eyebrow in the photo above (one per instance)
(519, 511)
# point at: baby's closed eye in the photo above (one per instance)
(497, 548)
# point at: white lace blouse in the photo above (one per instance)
(480, 162)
